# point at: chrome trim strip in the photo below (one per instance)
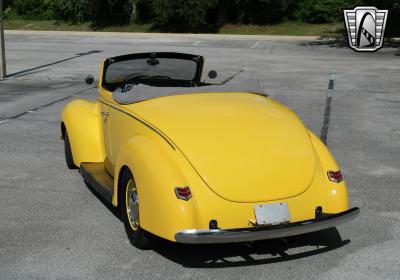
(142, 122)
(194, 236)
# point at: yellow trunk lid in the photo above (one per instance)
(246, 147)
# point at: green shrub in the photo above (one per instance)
(261, 11)
(195, 15)
(6, 3)
(110, 12)
(9, 14)
(72, 10)
(181, 15)
(33, 9)
(143, 11)
(323, 11)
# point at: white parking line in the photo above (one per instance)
(255, 44)
(196, 43)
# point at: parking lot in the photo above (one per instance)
(52, 226)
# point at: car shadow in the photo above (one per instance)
(114, 210)
(255, 253)
(243, 254)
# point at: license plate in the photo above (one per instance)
(272, 214)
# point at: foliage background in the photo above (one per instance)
(194, 15)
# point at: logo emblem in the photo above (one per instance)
(365, 28)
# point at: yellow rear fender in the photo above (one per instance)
(156, 173)
(158, 169)
(337, 192)
(82, 120)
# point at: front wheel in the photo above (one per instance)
(68, 152)
(129, 201)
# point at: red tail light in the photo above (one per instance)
(335, 176)
(183, 193)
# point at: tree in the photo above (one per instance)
(181, 15)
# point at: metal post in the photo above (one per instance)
(3, 72)
(327, 113)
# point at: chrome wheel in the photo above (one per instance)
(132, 204)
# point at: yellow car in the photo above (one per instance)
(197, 162)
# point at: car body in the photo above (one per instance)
(194, 162)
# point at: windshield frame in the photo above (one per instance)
(199, 60)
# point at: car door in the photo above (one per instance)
(104, 100)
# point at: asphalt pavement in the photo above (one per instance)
(52, 226)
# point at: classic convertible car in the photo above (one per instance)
(197, 162)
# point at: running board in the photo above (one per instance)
(95, 174)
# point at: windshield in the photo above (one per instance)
(169, 67)
(177, 69)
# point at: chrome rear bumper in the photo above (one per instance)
(193, 236)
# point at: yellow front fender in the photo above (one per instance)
(82, 120)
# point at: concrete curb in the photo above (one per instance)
(164, 35)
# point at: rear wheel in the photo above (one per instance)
(129, 200)
(68, 152)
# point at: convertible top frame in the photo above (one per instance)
(196, 58)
